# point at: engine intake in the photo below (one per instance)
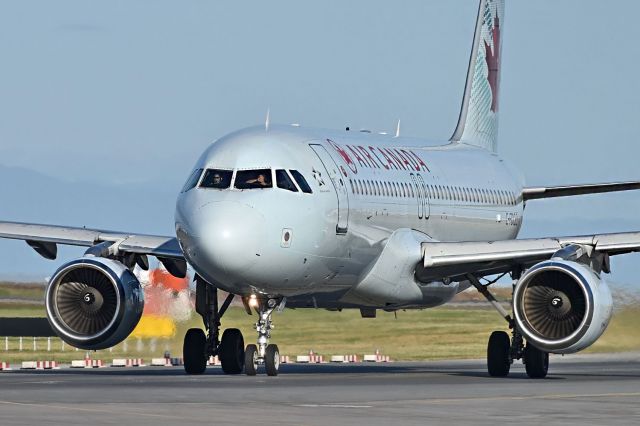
(94, 303)
(561, 306)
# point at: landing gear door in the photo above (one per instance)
(333, 172)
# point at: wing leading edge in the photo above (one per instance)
(534, 193)
(455, 260)
(45, 238)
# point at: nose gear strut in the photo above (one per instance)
(263, 353)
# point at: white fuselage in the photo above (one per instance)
(313, 247)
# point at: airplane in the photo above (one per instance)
(287, 216)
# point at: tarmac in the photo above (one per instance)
(580, 389)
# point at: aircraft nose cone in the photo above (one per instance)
(231, 235)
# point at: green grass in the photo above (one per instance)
(21, 310)
(27, 291)
(623, 333)
(440, 333)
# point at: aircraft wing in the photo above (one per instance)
(534, 193)
(45, 238)
(456, 259)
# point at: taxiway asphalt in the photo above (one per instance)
(580, 390)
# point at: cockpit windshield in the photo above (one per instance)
(253, 179)
(194, 177)
(217, 179)
(289, 180)
(302, 182)
(284, 181)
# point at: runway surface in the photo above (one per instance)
(579, 390)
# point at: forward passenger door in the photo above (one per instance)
(333, 172)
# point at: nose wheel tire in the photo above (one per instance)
(231, 351)
(272, 360)
(194, 351)
(536, 362)
(498, 359)
(251, 360)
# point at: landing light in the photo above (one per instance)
(253, 301)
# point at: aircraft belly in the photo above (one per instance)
(432, 295)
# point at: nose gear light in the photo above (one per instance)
(253, 301)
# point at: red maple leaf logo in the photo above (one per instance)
(493, 62)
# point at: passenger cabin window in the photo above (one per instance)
(284, 181)
(302, 182)
(253, 179)
(217, 179)
(192, 181)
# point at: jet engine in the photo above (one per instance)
(93, 302)
(562, 306)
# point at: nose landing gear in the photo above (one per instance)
(198, 346)
(263, 353)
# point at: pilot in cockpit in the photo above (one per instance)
(261, 180)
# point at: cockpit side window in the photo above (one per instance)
(302, 182)
(192, 181)
(217, 179)
(284, 181)
(253, 179)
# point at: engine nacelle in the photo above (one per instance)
(93, 302)
(561, 306)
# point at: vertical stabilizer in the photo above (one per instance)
(478, 122)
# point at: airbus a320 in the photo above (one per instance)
(281, 215)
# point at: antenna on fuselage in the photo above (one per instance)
(266, 121)
(397, 130)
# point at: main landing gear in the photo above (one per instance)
(502, 350)
(198, 347)
(233, 356)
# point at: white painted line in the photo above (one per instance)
(332, 406)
